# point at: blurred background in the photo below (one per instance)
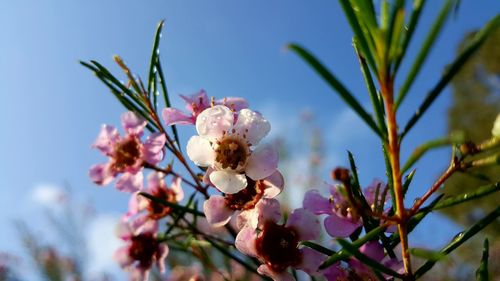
(52, 109)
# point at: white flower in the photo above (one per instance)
(229, 148)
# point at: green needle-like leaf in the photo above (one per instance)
(172, 205)
(356, 187)
(367, 260)
(472, 47)
(317, 248)
(366, 11)
(459, 199)
(422, 149)
(424, 51)
(370, 85)
(367, 49)
(388, 173)
(407, 182)
(482, 271)
(461, 238)
(415, 16)
(120, 96)
(394, 28)
(343, 254)
(126, 91)
(163, 85)
(154, 58)
(336, 85)
(427, 254)
(178, 217)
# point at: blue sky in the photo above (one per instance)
(52, 107)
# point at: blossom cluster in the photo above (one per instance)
(240, 181)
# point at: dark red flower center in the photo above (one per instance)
(277, 245)
(157, 210)
(231, 152)
(126, 154)
(143, 249)
(248, 197)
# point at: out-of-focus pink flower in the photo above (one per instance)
(228, 146)
(158, 188)
(355, 270)
(375, 251)
(128, 154)
(142, 249)
(185, 273)
(341, 220)
(276, 245)
(220, 208)
(195, 104)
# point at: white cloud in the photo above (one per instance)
(47, 195)
(102, 242)
(347, 127)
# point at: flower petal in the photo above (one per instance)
(314, 202)
(265, 210)
(311, 260)
(122, 256)
(216, 211)
(373, 250)
(200, 151)
(133, 123)
(173, 116)
(335, 272)
(123, 231)
(274, 185)
(371, 190)
(252, 126)
(275, 275)
(305, 223)
(213, 122)
(177, 188)
(153, 148)
(340, 227)
(196, 103)
(206, 176)
(133, 206)
(129, 182)
(155, 181)
(235, 104)
(106, 139)
(245, 241)
(101, 174)
(228, 182)
(263, 162)
(161, 255)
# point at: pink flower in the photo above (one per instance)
(276, 245)
(355, 270)
(220, 208)
(341, 221)
(140, 205)
(228, 147)
(142, 249)
(127, 155)
(375, 251)
(195, 104)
